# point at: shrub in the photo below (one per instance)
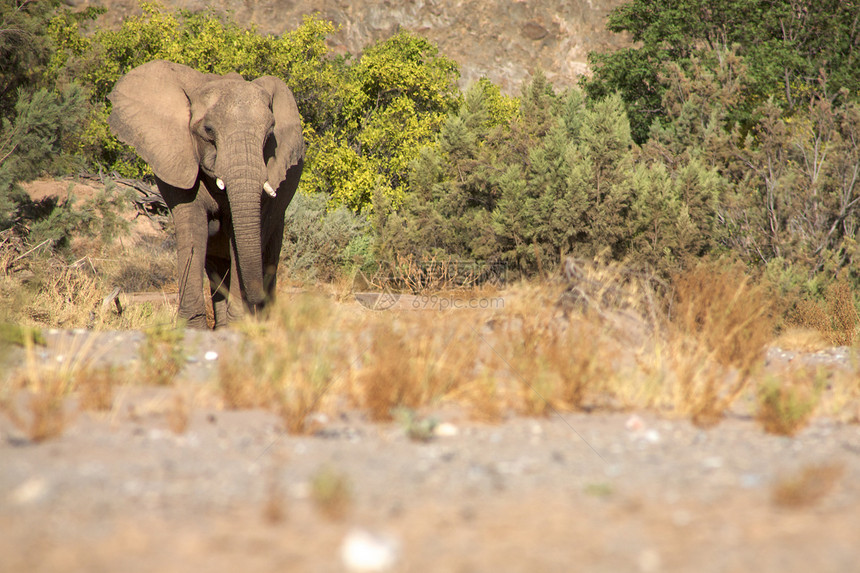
(836, 319)
(792, 56)
(322, 244)
(35, 141)
(787, 401)
(807, 486)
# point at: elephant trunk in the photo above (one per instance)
(243, 193)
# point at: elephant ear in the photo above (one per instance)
(151, 112)
(289, 143)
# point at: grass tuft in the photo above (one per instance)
(288, 362)
(787, 401)
(414, 360)
(178, 414)
(44, 388)
(95, 387)
(807, 486)
(719, 327)
(44, 415)
(161, 355)
(331, 493)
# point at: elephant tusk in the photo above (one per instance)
(267, 187)
(219, 183)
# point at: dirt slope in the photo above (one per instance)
(503, 40)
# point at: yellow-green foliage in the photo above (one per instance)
(365, 120)
(395, 98)
(331, 492)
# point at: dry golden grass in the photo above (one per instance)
(48, 291)
(45, 388)
(840, 400)
(65, 296)
(577, 343)
(389, 379)
(289, 362)
(800, 339)
(559, 366)
(44, 415)
(238, 387)
(414, 360)
(596, 337)
(807, 486)
(482, 397)
(95, 387)
(836, 319)
(614, 347)
(717, 333)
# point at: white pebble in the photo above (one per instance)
(446, 430)
(363, 551)
(652, 436)
(713, 462)
(32, 490)
(211, 355)
(300, 490)
(649, 561)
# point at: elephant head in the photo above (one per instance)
(198, 129)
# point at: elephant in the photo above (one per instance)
(227, 155)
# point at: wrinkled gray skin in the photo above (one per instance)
(195, 131)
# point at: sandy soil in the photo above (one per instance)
(120, 491)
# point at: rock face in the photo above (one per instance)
(503, 40)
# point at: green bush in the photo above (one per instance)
(559, 177)
(34, 142)
(794, 53)
(321, 244)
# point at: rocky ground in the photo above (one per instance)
(122, 491)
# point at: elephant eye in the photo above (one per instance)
(208, 133)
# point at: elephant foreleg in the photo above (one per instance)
(235, 307)
(273, 228)
(271, 256)
(191, 236)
